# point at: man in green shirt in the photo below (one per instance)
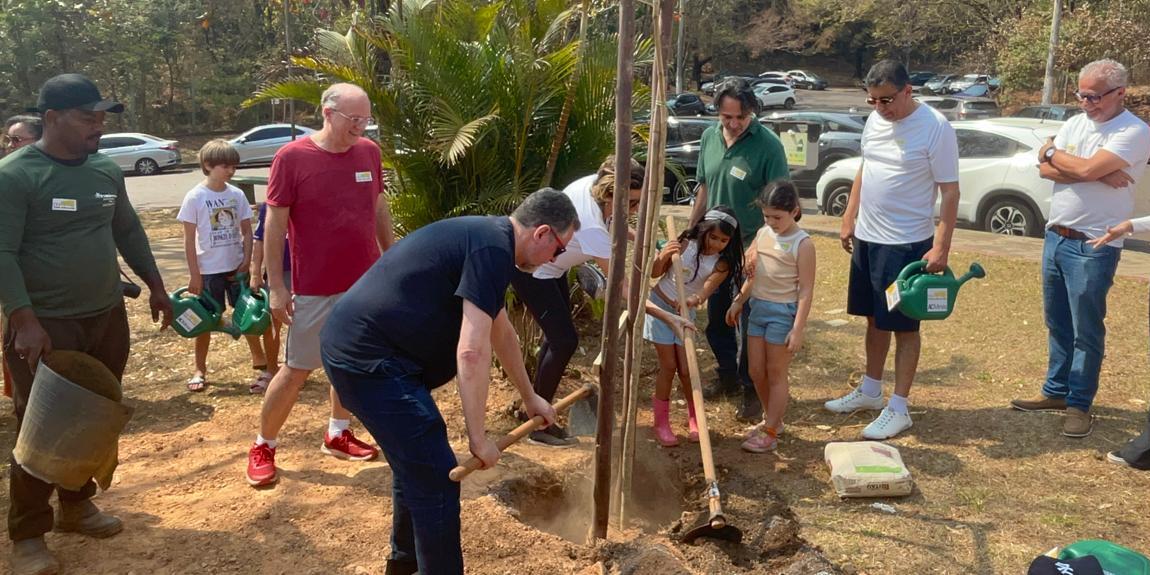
(737, 158)
(64, 213)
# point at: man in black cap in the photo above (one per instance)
(64, 213)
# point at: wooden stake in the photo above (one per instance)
(624, 81)
(640, 284)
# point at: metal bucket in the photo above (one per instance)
(72, 423)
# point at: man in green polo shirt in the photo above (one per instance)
(64, 213)
(737, 158)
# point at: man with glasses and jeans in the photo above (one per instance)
(737, 158)
(545, 292)
(1095, 162)
(328, 189)
(909, 156)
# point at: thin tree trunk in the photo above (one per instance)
(603, 436)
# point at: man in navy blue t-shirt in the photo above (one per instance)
(429, 310)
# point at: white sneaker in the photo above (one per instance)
(888, 424)
(856, 400)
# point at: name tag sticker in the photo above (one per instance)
(361, 177)
(738, 172)
(63, 205)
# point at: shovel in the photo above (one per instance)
(518, 433)
(716, 526)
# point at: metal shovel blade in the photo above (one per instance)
(582, 418)
(715, 528)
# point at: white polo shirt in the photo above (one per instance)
(1091, 207)
(903, 161)
(591, 240)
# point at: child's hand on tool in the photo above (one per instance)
(536, 405)
(485, 451)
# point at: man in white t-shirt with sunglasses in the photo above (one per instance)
(1095, 162)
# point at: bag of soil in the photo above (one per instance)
(867, 469)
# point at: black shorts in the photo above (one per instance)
(222, 286)
(873, 268)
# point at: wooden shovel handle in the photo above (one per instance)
(696, 381)
(518, 433)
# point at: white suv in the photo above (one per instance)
(1001, 191)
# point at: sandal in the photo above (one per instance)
(260, 385)
(197, 383)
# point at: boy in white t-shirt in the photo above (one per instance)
(1095, 162)
(217, 243)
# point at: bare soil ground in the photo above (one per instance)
(994, 487)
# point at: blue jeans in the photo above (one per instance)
(1075, 281)
(727, 343)
(395, 406)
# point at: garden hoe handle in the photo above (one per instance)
(717, 520)
(520, 432)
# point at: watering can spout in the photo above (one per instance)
(976, 271)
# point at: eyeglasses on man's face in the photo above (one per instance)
(1095, 98)
(561, 248)
(357, 120)
(11, 140)
(885, 100)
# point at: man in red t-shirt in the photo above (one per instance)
(326, 193)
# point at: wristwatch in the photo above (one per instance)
(1049, 154)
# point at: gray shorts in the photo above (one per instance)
(311, 311)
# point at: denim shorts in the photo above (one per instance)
(771, 320)
(656, 330)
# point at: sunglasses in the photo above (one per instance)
(15, 140)
(885, 100)
(561, 248)
(1095, 98)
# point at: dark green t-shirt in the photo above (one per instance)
(735, 176)
(60, 227)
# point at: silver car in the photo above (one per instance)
(260, 144)
(962, 108)
(140, 153)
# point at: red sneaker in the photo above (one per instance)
(261, 465)
(346, 446)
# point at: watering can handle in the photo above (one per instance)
(919, 267)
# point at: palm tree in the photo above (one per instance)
(469, 109)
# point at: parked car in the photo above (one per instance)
(960, 84)
(841, 134)
(1002, 192)
(917, 79)
(779, 75)
(683, 135)
(807, 80)
(939, 84)
(140, 153)
(1060, 113)
(260, 144)
(775, 95)
(777, 81)
(686, 104)
(975, 91)
(962, 108)
(708, 88)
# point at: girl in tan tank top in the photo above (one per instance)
(780, 289)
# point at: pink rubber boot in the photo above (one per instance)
(663, 433)
(692, 423)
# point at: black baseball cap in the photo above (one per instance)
(73, 91)
(1085, 565)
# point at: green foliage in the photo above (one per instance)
(468, 110)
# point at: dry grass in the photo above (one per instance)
(994, 487)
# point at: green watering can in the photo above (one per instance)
(251, 316)
(1115, 559)
(920, 295)
(194, 315)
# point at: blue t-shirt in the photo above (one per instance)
(410, 302)
(258, 235)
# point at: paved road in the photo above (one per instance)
(167, 189)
